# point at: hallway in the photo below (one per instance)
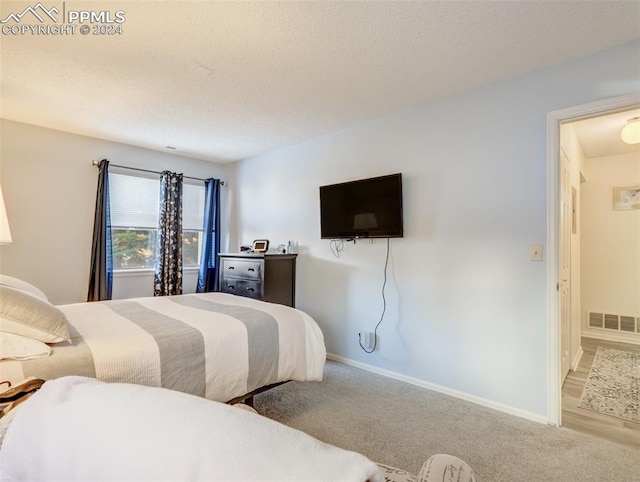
(583, 420)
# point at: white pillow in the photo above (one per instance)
(18, 347)
(49, 439)
(27, 315)
(21, 285)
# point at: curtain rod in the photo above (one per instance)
(96, 163)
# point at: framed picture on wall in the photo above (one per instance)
(626, 198)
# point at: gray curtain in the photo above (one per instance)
(101, 269)
(168, 266)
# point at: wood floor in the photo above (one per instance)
(612, 428)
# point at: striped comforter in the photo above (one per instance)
(213, 345)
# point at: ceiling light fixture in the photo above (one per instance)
(631, 132)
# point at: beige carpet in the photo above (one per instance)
(402, 425)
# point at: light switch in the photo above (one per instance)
(535, 252)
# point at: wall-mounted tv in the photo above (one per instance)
(367, 208)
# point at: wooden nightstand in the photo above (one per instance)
(266, 277)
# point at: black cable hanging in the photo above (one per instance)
(384, 308)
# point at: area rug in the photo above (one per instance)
(613, 384)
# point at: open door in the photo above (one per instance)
(565, 259)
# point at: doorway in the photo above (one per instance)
(559, 252)
(592, 422)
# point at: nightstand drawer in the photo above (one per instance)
(264, 277)
(242, 287)
(242, 268)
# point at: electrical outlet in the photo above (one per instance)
(368, 339)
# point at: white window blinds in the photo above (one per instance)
(135, 200)
(192, 206)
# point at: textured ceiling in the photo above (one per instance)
(281, 72)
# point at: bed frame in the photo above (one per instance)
(13, 396)
(248, 398)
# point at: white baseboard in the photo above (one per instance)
(618, 336)
(576, 359)
(439, 388)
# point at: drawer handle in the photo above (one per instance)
(251, 269)
(231, 287)
(231, 267)
(249, 288)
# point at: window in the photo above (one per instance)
(192, 221)
(134, 221)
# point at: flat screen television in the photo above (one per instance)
(367, 208)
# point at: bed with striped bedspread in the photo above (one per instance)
(213, 345)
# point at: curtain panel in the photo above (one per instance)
(210, 259)
(168, 263)
(101, 268)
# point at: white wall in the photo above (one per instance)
(49, 188)
(466, 309)
(571, 146)
(610, 239)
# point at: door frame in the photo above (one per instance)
(554, 325)
(566, 265)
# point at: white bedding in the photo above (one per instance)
(76, 428)
(213, 345)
